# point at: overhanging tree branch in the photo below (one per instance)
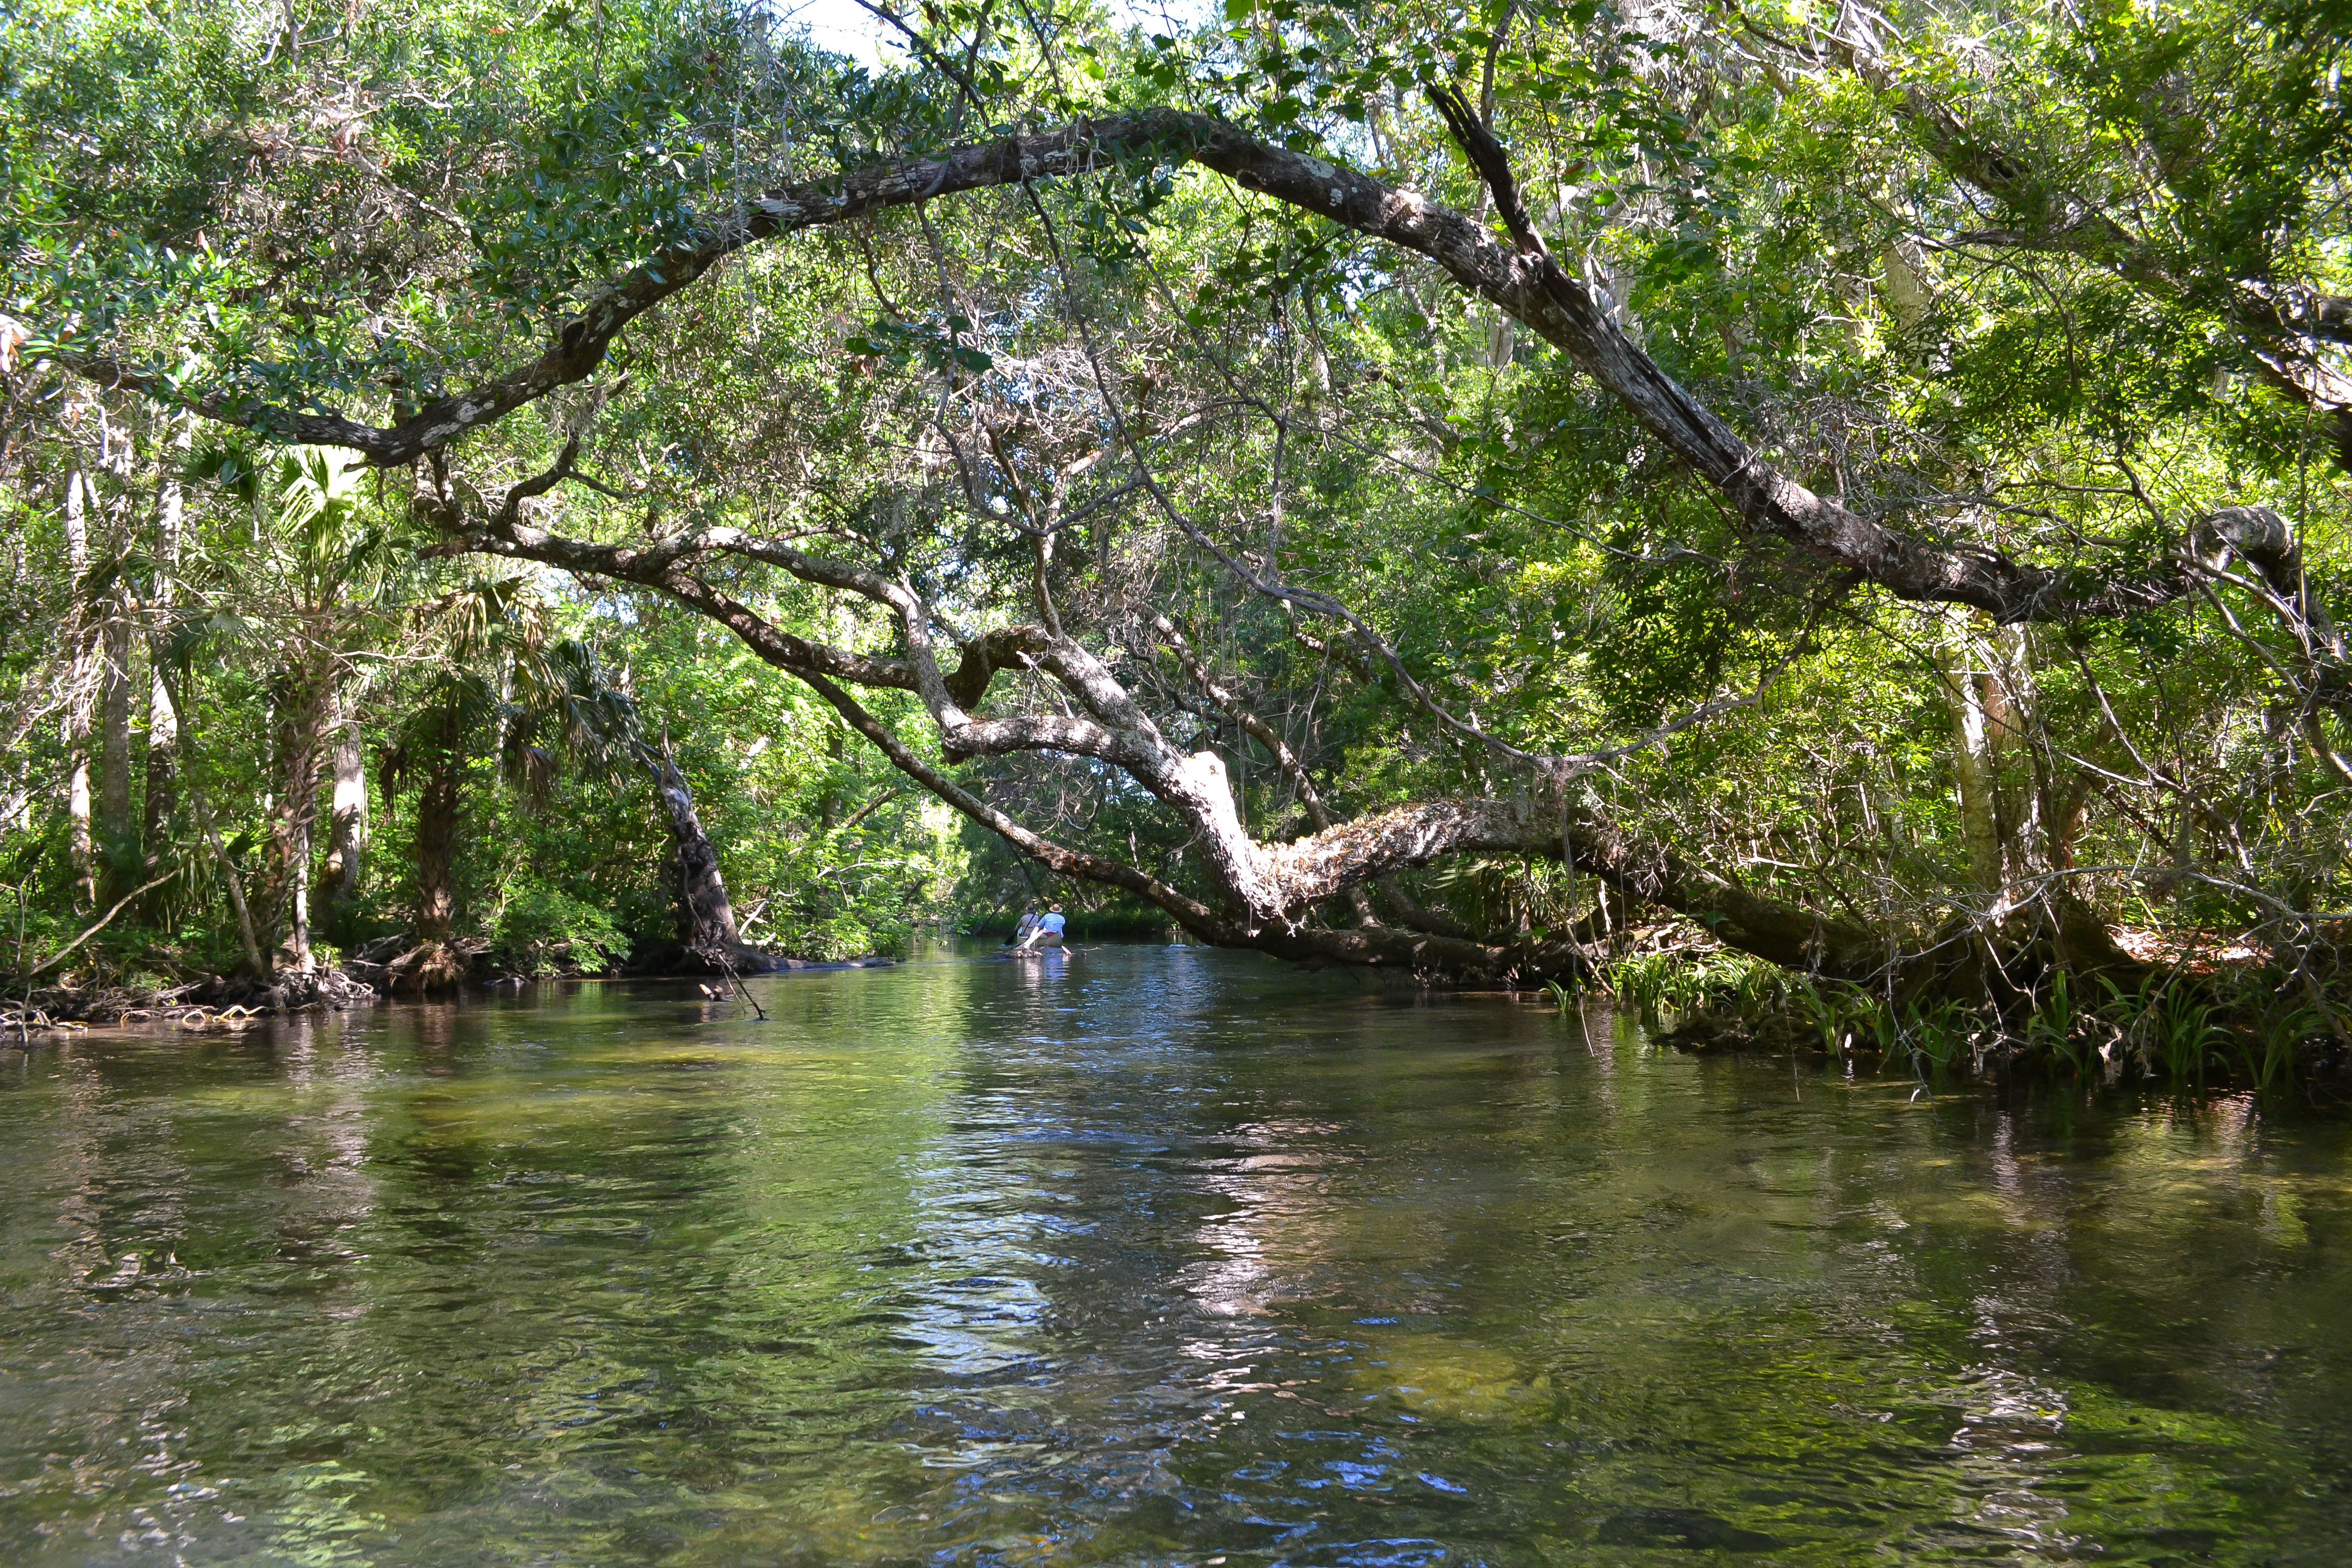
(1525, 282)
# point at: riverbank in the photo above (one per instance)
(2204, 1012)
(207, 997)
(2209, 1015)
(208, 1001)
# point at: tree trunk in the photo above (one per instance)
(705, 915)
(1975, 770)
(117, 830)
(302, 710)
(162, 798)
(82, 636)
(298, 902)
(437, 826)
(836, 752)
(163, 720)
(436, 964)
(2037, 813)
(2015, 826)
(347, 824)
(233, 887)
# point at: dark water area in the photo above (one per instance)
(1140, 1256)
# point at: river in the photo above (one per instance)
(1141, 1256)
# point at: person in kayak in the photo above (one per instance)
(1045, 933)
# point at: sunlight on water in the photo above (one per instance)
(1141, 1255)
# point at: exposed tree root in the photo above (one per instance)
(212, 997)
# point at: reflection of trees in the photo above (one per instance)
(170, 1167)
(1712, 1283)
(90, 1235)
(949, 1258)
(1281, 1220)
(1807, 1295)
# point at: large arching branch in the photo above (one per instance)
(1271, 888)
(1526, 282)
(1119, 732)
(577, 345)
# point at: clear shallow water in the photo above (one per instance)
(1146, 1256)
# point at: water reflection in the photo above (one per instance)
(1137, 1254)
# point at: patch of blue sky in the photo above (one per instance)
(845, 27)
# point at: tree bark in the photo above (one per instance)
(437, 802)
(1263, 891)
(162, 802)
(117, 827)
(2013, 705)
(436, 964)
(1976, 774)
(305, 698)
(347, 824)
(705, 915)
(81, 635)
(118, 833)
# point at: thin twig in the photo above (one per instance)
(59, 956)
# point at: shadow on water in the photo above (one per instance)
(1140, 1255)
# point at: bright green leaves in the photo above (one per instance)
(1116, 214)
(384, 214)
(625, 171)
(938, 346)
(1674, 635)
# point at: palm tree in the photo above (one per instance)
(307, 592)
(318, 600)
(541, 702)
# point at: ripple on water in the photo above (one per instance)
(1151, 1255)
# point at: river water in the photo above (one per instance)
(1140, 1256)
